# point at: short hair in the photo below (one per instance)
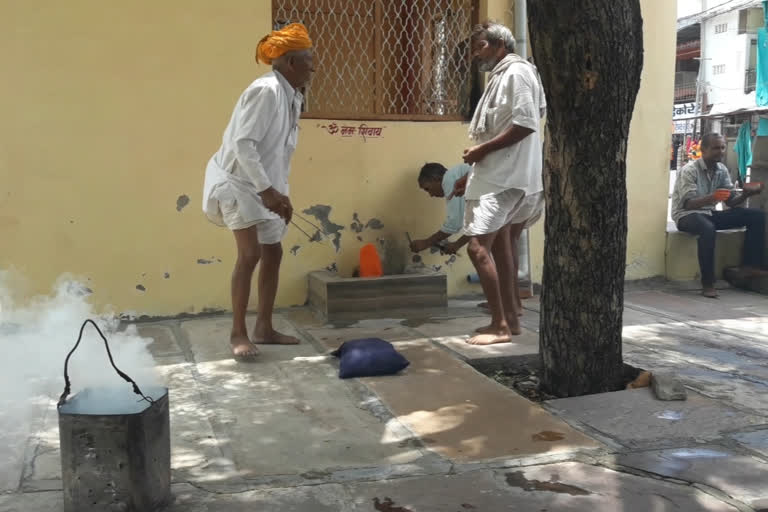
(432, 171)
(708, 139)
(496, 34)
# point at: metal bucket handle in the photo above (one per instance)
(67, 384)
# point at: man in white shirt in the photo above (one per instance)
(246, 181)
(437, 181)
(504, 192)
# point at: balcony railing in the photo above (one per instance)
(750, 80)
(689, 50)
(685, 92)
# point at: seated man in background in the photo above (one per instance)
(437, 181)
(700, 186)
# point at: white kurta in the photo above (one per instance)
(518, 100)
(256, 149)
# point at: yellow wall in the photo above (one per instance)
(111, 111)
(649, 144)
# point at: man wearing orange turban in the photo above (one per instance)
(279, 42)
(246, 181)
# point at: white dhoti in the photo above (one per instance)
(233, 202)
(492, 212)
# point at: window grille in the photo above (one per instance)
(387, 59)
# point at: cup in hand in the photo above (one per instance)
(722, 194)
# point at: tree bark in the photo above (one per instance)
(590, 56)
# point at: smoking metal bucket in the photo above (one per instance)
(115, 448)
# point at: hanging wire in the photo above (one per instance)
(67, 384)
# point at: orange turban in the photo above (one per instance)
(279, 42)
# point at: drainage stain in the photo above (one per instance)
(548, 435)
(388, 506)
(517, 479)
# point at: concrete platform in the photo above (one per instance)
(286, 434)
(565, 487)
(738, 475)
(337, 297)
(464, 416)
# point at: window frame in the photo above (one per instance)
(473, 75)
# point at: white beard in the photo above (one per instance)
(487, 65)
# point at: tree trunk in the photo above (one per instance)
(590, 55)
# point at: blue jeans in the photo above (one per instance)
(706, 227)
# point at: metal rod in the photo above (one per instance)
(309, 222)
(305, 233)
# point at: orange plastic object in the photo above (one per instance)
(370, 264)
(722, 194)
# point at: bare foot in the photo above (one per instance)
(514, 326)
(242, 349)
(488, 329)
(710, 293)
(511, 321)
(491, 339)
(275, 338)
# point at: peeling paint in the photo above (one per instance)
(359, 239)
(78, 289)
(322, 212)
(332, 268)
(141, 287)
(182, 202)
(166, 275)
(434, 249)
(295, 249)
(437, 268)
(374, 224)
(316, 237)
(451, 260)
(356, 225)
(202, 261)
(416, 258)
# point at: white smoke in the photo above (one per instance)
(37, 334)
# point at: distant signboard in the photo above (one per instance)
(682, 110)
(681, 117)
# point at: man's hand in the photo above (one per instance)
(419, 245)
(459, 187)
(474, 154)
(276, 202)
(450, 247)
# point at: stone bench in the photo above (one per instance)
(682, 261)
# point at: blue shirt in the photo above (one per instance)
(454, 215)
